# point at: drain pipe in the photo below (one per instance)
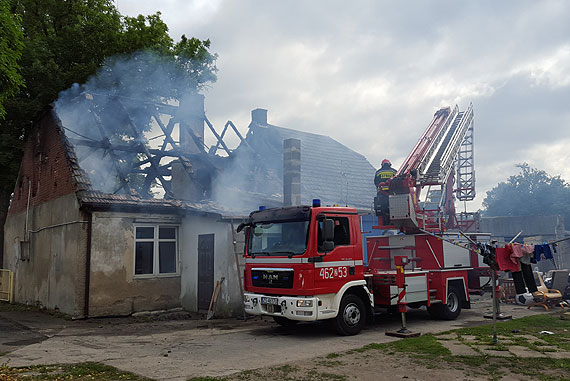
(87, 265)
(26, 233)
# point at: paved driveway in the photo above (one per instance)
(178, 349)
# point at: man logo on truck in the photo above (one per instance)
(270, 276)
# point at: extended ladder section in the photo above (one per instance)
(465, 168)
(444, 150)
(442, 161)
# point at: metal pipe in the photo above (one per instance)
(517, 236)
(87, 265)
(58, 225)
(26, 234)
(494, 286)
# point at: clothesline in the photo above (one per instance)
(502, 242)
(542, 243)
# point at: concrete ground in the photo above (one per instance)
(178, 348)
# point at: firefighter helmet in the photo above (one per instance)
(386, 161)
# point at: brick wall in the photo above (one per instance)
(44, 167)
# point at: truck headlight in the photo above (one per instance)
(304, 303)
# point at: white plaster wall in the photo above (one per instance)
(230, 300)
(114, 290)
(54, 275)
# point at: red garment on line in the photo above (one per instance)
(503, 255)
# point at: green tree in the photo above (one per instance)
(66, 42)
(11, 45)
(532, 192)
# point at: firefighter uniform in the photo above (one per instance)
(382, 176)
(385, 173)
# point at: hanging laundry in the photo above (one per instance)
(503, 255)
(488, 253)
(518, 280)
(524, 280)
(528, 253)
(542, 252)
(516, 253)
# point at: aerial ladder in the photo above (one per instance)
(438, 169)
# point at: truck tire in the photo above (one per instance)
(450, 310)
(351, 315)
(282, 321)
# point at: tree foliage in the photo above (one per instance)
(532, 192)
(64, 42)
(11, 45)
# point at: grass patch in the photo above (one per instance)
(424, 345)
(427, 351)
(369, 347)
(333, 355)
(83, 371)
(527, 325)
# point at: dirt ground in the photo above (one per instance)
(182, 346)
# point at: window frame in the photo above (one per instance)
(348, 232)
(156, 249)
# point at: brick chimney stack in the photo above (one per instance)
(191, 116)
(291, 172)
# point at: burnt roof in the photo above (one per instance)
(92, 199)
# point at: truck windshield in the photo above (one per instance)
(279, 238)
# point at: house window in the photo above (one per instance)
(156, 250)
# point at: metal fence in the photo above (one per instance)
(6, 285)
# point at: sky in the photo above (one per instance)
(371, 74)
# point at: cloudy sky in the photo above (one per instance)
(372, 73)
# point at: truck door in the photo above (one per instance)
(339, 265)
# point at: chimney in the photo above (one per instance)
(191, 116)
(259, 117)
(291, 172)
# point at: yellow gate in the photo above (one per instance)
(6, 285)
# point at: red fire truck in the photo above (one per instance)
(306, 263)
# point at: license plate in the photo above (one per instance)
(267, 300)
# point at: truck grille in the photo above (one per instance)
(272, 278)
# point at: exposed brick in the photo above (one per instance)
(44, 166)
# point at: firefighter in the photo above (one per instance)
(383, 174)
(381, 205)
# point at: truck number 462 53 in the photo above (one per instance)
(333, 272)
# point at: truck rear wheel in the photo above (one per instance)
(450, 310)
(351, 315)
(284, 321)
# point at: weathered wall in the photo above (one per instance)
(230, 300)
(45, 173)
(54, 274)
(114, 290)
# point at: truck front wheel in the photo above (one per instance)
(351, 315)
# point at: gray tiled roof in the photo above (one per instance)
(330, 171)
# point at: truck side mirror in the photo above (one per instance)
(328, 229)
(328, 235)
(328, 246)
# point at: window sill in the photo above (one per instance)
(153, 276)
